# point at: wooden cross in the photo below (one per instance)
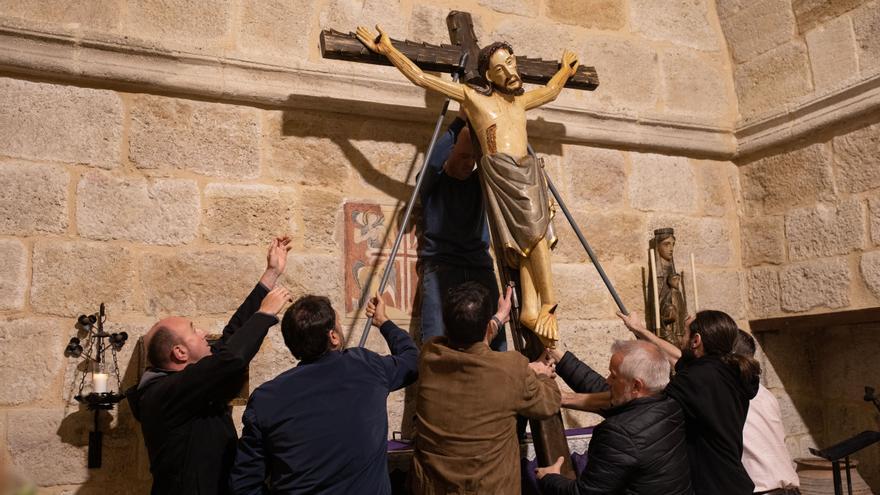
(548, 435)
(445, 58)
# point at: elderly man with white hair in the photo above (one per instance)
(640, 447)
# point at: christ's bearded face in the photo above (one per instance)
(502, 72)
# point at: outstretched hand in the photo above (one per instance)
(276, 299)
(378, 44)
(276, 260)
(634, 323)
(543, 368)
(376, 311)
(570, 60)
(553, 355)
(554, 468)
(505, 302)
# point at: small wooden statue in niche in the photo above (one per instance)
(665, 303)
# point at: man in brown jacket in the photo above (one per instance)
(468, 400)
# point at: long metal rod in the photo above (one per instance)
(409, 208)
(583, 239)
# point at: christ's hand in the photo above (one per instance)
(570, 60)
(378, 44)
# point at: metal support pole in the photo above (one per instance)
(583, 239)
(835, 476)
(409, 207)
(848, 477)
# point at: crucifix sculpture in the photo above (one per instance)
(516, 190)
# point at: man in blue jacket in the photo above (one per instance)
(454, 247)
(322, 426)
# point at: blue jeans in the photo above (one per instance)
(437, 279)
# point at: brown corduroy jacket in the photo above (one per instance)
(466, 418)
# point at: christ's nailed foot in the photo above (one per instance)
(548, 343)
(529, 320)
(547, 326)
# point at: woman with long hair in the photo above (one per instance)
(713, 386)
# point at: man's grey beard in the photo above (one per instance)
(624, 397)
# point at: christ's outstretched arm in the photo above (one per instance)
(383, 46)
(548, 93)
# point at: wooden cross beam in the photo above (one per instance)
(445, 58)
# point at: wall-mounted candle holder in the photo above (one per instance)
(105, 384)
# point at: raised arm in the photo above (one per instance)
(210, 378)
(634, 324)
(580, 376)
(594, 403)
(401, 367)
(548, 93)
(382, 45)
(443, 150)
(276, 261)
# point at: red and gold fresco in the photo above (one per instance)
(368, 243)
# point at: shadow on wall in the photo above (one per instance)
(819, 376)
(385, 152)
(125, 465)
(385, 145)
(385, 128)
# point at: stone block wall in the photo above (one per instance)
(664, 60)
(158, 203)
(171, 212)
(789, 53)
(809, 230)
(810, 246)
(147, 157)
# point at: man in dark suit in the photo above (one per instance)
(182, 400)
(322, 426)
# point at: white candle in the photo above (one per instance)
(653, 262)
(99, 383)
(694, 278)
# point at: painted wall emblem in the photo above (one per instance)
(368, 242)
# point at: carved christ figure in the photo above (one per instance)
(513, 182)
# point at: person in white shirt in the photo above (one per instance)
(765, 456)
